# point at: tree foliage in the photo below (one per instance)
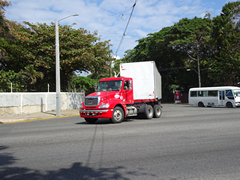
(33, 49)
(4, 28)
(226, 45)
(194, 52)
(85, 84)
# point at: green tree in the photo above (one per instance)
(209, 47)
(225, 36)
(80, 51)
(191, 36)
(169, 61)
(4, 27)
(83, 83)
(10, 77)
(30, 74)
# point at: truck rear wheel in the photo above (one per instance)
(149, 112)
(118, 115)
(157, 111)
(91, 120)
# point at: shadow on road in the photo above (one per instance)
(76, 171)
(105, 121)
(5, 158)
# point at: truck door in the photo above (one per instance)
(127, 91)
(221, 98)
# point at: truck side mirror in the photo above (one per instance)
(130, 85)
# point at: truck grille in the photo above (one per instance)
(92, 101)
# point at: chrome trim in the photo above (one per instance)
(96, 97)
(93, 111)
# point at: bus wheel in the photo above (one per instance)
(200, 104)
(229, 105)
(91, 120)
(118, 115)
(157, 111)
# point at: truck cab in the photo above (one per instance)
(113, 94)
(136, 92)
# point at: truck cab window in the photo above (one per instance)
(126, 85)
(110, 85)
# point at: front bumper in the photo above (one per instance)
(237, 104)
(96, 113)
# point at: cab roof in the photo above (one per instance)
(115, 79)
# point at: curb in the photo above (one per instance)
(34, 119)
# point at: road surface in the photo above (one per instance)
(185, 143)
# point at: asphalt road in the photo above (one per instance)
(185, 143)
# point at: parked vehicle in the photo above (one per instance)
(225, 96)
(137, 91)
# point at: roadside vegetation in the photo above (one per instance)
(27, 55)
(194, 52)
(191, 53)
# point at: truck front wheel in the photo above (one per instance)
(157, 111)
(118, 115)
(149, 112)
(91, 120)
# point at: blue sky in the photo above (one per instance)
(104, 15)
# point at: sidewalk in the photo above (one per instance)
(37, 116)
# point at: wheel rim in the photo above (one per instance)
(150, 112)
(117, 115)
(158, 111)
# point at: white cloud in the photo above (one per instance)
(104, 15)
(140, 32)
(116, 57)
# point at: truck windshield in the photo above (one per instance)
(110, 85)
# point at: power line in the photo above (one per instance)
(124, 33)
(121, 15)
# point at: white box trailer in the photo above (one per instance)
(147, 81)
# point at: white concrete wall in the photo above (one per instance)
(21, 103)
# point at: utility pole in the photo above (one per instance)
(58, 85)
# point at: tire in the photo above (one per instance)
(229, 105)
(157, 111)
(200, 104)
(149, 112)
(91, 120)
(118, 115)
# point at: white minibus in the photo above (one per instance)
(225, 96)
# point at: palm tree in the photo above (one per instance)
(31, 74)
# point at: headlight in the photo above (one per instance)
(104, 106)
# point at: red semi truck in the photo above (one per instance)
(138, 91)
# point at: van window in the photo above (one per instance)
(193, 93)
(212, 93)
(229, 94)
(221, 95)
(202, 93)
